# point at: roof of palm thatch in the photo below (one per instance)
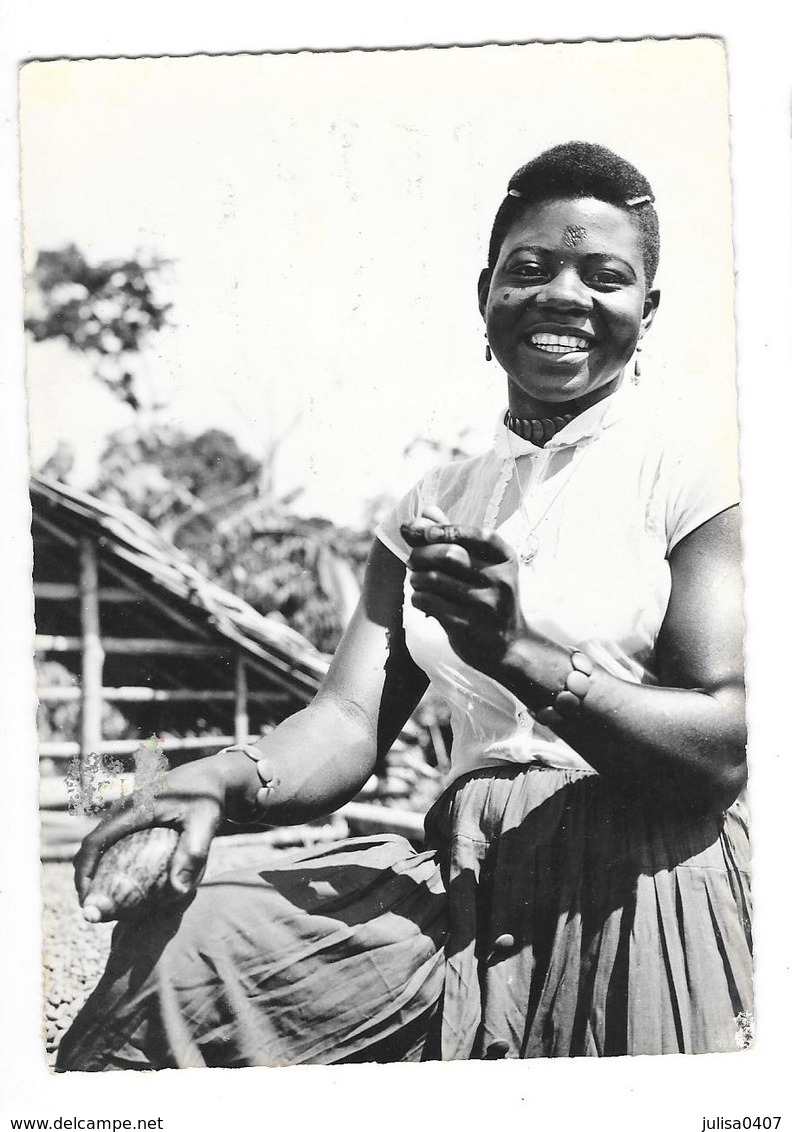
(151, 591)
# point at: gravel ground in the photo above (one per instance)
(75, 952)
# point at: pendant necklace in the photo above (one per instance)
(529, 544)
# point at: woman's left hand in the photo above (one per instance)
(468, 579)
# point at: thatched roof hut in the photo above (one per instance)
(135, 625)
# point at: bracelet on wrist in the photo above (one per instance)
(567, 703)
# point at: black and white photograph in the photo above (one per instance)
(387, 566)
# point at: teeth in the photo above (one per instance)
(559, 343)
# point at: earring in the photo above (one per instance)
(487, 351)
(637, 364)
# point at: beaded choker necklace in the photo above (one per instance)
(537, 431)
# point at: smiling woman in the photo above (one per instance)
(574, 594)
(564, 320)
(567, 294)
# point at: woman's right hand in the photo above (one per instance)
(192, 799)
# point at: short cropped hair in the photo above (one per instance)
(575, 170)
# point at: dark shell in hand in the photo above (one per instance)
(134, 871)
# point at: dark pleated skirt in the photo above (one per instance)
(551, 917)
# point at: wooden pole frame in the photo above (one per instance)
(92, 662)
(66, 749)
(66, 591)
(241, 720)
(146, 695)
(133, 646)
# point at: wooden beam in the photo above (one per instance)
(164, 607)
(274, 668)
(66, 591)
(67, 750)
(144, 695)
(133, 646)
(285, 837)
(92, 657)
(56, 532)
(241, 721)
(43, 643)
(224, 848)
(55, 591)
(54, 794)
(367, 817)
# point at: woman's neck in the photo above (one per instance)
(525, 407)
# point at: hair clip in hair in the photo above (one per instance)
(633, 202)
(514, 193)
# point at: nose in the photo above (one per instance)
(565, 291)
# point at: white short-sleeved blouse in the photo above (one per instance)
(609, 497)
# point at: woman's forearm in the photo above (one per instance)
(318, 759)
(675, 744)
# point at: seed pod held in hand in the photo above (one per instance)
(132, 876)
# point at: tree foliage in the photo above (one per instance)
(303, 570)
(166, 476)
(220, 506)
(107, 310)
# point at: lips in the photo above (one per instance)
(554, 343)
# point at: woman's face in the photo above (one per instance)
(566, 303)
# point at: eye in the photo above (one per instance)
(607, 279)
(529, 270)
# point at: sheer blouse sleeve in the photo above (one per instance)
(702, 479)
(407, 510)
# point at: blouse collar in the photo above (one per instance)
(587, 425)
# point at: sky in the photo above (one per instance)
(326, 217)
